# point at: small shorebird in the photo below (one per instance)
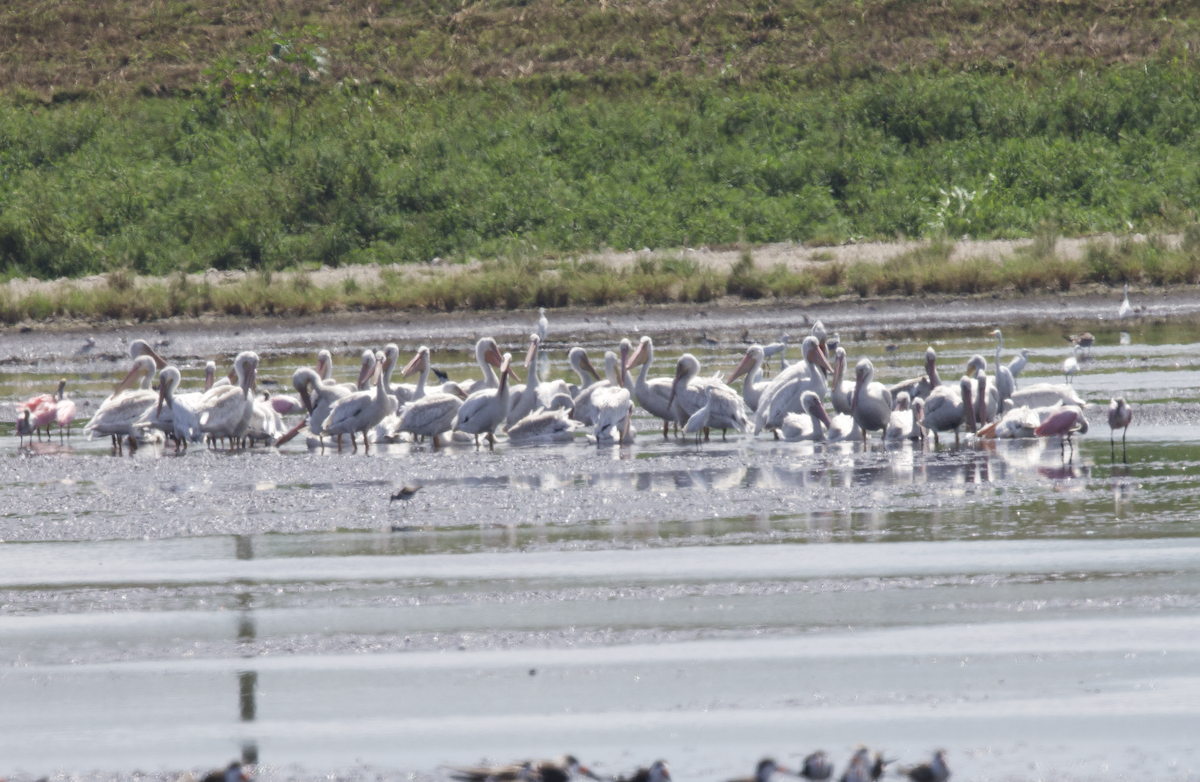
(657, 772)
(933, 771)
(564, 769)
(816, 767)
(405, 494)
(233, 773)
(1084, 340)
(763, 772)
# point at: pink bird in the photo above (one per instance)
(41, 415)
(1120, 415)
(64, 412)
(1066, 421)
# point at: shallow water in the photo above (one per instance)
(1031, 607)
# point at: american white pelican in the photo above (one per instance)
(782, 396)
(1017, 365)
(1046, 395)
(919, 387)
(119, 414)
(688, 395)
(161, 416)
(818, 331)
(832, 343)
(433, 413)
(578, 359)
(487, 355)
(363, 410)
(225, 411)
(526, 401)
(809, 425)
(1124, 311)
(904, 423)
(1071, 366)
(585, 408)
(1120, 415)
(872, 403)
(752, 368)
(949, 409)
(1005, 384)
(210, 374)
(652, 394)
(266, 424)
(327, 394)
(842, 391)
(987, 397)
(614, 408)
(545, 426)
(543, 324)
(485, 410)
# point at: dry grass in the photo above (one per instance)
(65, 49)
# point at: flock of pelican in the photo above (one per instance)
(791, 405)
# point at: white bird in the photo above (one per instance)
(363, 410)
(1005, 384)
(653, 394)
(698, 421)
(752, 367)
(842, 391)
(1071, 365)
(431, 414)
(526, 401)
(872, 403)
(327, 393)
(487, 355)
(174, 414)
(119, 414)
(578, 359)
(484, 410)
(545, 426)
(614, 408)
(985, 393)
(266, 424)
(777, 348)
(809, 425)
(947, 409)
(1047, 395)
(919, 387)
(543, 324)
(904, 423)
(1017, 365)
(224, 411)
(726, 410)
(1019, 422)
(585, 408)
(782, 396)
(818, 331)
(1124, 311)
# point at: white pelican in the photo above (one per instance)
(325, 370)
(614, 408)
(653, 394)
(1124, 311)
(526, 401)
(266, 424)
(1071, 366)
(585, 408)
(689, 394)
(1016, 365)
(327, 394)
(782, 396)
(698, 421)
(225, 411)
(363, 410)
(986, 394)
(947, 409)
(578, 359)
(818, 331)
(809, 425)
(118, 415)
(485, 410)
(487, 355)
(842, 391)
(174, 414)
(1047, 394)
(872, 403)
(1005, 384)
(904, 423)
(431, 414)
(919, 387)
(1120, 415)
(751, 366)
(545, 426)
(832, 343)
(210, 374)
(543, 324)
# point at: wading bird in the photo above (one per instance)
(1120, 415)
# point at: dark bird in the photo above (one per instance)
(233, 773)
(933, 771)
(860, 768)
(763, 772)
(707, 341)
(879, 765)
(441, 374)
(657, 772)
(405, 494)
(1084, 340)
(817, 766)
(565, 769)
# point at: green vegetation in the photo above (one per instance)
(149, 137)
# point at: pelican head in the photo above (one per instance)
(902, 401)
(686, 368)
(811, 349)
(246, 367)
(140, 347)
(964, 385)
(813, 406)
(367, 371)
(579, 361)
(864, 371)
(626, 348)
(419, 363)
(643, 354)
(168, 381)
(534, 342)
(977, 363)
(752, 359)
(143, 368)
(324, 364)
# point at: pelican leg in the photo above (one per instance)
(366, 444)
(705, 434)
(491, 438)
(666, 424)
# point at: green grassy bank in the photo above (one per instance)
(262, 170)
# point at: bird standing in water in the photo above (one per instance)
(405, 494)
(1120, 414)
